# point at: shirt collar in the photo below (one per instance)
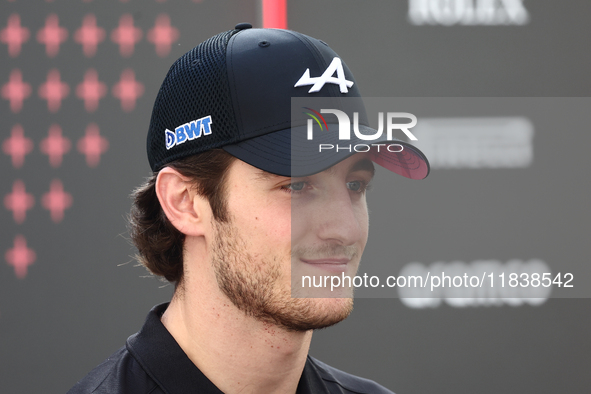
(164, 361)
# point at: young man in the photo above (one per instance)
(239, 205)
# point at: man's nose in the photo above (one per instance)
(340, 220)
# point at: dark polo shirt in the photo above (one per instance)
(152, 362)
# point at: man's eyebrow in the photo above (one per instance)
(262, 175)
(363, 165)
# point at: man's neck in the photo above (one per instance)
(238, 353)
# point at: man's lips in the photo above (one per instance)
(334, 265)
(328, 261)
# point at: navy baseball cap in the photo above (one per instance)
(234, 92)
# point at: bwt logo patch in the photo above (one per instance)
(188, 131)
(344, 123)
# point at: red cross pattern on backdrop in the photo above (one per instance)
(52, 87)
(55, 87)
(89, 35)
(20, 256)
(52, 35)
(91, 90)
(14, 35)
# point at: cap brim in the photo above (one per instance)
(289, 153)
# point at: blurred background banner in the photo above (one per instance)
(77, 82)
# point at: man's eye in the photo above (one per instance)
(357, 186)
(295, 186)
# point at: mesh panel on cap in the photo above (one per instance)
(196, 86)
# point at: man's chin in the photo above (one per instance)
(305, 314)
(337, 310)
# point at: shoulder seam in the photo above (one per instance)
(102, 381)
(344, 387)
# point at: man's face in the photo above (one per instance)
(282, 227)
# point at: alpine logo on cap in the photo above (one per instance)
(327, 77)
(188, 131)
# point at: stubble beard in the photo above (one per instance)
(255, 287)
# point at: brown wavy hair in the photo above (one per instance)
(159, 243)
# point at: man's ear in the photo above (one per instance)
(181, 204)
